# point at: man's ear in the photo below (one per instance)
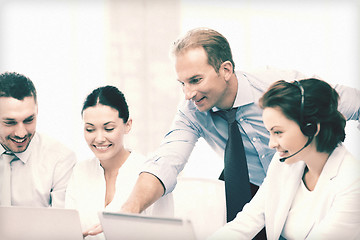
(227, 69)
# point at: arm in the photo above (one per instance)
(160, 172)
(147, 190)
(70, 195)
(349, 103)
(62, 174)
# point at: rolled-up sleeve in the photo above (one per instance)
(172, 155)
(349, 103)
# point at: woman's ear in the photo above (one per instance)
(128, 125)
(318, 129)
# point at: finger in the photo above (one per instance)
(96, 230)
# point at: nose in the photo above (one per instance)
(272, 142)
(20, 131)
(189, 92)
(100, 137)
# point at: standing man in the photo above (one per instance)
(205, 70)
(34, 168)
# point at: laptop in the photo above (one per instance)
(36, 223)
(136, 226)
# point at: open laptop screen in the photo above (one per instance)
(36, 223)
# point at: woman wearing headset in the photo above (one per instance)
(316, 178)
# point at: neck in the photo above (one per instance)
(315, 162)
(113, 165)
(230, 93)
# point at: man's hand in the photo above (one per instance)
(93, 230)
(147, 190)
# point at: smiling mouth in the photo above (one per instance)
(18, 141)
(198, 101)
(102, 148)
(282, 153)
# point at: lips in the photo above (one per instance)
(198, 102)
(282, 153)
(102, 147)
(18, 141)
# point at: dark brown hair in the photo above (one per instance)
(320, 106)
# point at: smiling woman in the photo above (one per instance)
(106, 118)
(105, 181)
(315, 193)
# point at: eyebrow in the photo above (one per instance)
(271, 129)
(13, 119)
(191, 78)
(195, 77)
(30, 117)
(8, 119)
(107, 123)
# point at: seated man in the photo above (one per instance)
(34, 169)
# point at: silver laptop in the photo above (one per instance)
(35, 223)
(136, 226)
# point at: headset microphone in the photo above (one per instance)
(307, 143)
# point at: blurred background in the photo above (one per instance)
(68, 48)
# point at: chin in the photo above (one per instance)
(203, 108)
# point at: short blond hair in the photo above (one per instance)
(215, 45)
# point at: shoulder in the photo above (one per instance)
(274, 72)
(47, 143)
(87, 164)
(349, 166)
(86, 167)
(136, 158)
(50, 147)
(263, 76)
(281, 170)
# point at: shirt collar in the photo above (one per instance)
(244, 94)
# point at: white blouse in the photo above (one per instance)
(87, 187)
(302, 212)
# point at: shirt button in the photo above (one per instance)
(254, 139)
(241, 119)
(262, 156)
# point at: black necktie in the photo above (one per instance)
(236, 175)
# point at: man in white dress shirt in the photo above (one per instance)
(34, 169)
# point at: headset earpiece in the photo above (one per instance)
(309, 129)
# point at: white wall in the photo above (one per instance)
(64, 47)
(60, 47)
(68, 48)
